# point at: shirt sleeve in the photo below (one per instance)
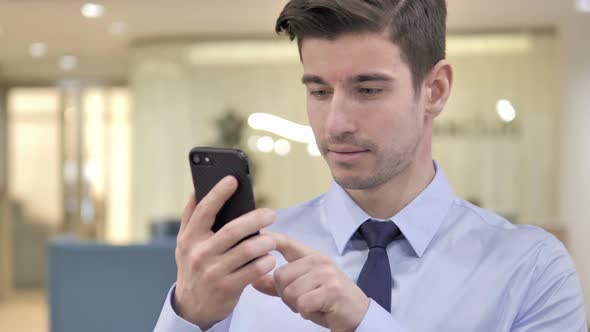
(554, 300)
(378, 319)
(169, 321)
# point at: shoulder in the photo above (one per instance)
(533, 265)
(506, 237)
(531, 260)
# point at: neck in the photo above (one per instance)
(387, 199)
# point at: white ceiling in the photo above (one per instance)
(60, 24)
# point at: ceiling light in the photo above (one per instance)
(118, 28)
(583, 6)
(505, 110)
(265, 144)
(37, 50)
(68, 62)
(253, 142)
(92, 10)
(282, 147)
(282, 127)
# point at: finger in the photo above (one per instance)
(187, 213)
(289, 248)
(245, 252)
(311, 306)
(287, 274)
(253, 271)
(299, 287)
(236, 230)
(207, 207)
(266, 285)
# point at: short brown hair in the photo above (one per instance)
(417, 27)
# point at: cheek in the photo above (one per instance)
(393, 122)
(317, 109)
(315, 117)
(384, 117)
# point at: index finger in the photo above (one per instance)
(290, 249)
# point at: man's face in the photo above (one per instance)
(361, 105)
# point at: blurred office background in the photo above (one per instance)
(100, 104)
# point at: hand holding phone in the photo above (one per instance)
(215, 267)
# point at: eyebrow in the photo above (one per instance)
(307, 79)
(371, 77)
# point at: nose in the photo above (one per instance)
(341, 118)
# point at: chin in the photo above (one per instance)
(356, 182)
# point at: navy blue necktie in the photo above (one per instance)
(375, 277)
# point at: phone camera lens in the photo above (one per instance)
(196, 159)
(207, 160)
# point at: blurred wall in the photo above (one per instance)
(3, 143)
(510, 168)
(177, 102)
(34, 154)
(575, 144)
(5, 229)
(179, 90)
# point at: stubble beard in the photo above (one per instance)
(389, 164)
(387, 167)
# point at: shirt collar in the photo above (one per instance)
(418, 221)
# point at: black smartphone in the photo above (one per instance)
(208, 166)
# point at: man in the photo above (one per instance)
(389, 247)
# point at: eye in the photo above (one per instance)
(320, 93)
(370, 91)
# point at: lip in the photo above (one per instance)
(346, 149)
(346, 155)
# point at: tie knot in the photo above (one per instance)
(378, 234)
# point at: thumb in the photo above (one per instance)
(266, 285)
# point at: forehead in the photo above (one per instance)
(352, 54)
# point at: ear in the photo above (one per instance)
(437, 88)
